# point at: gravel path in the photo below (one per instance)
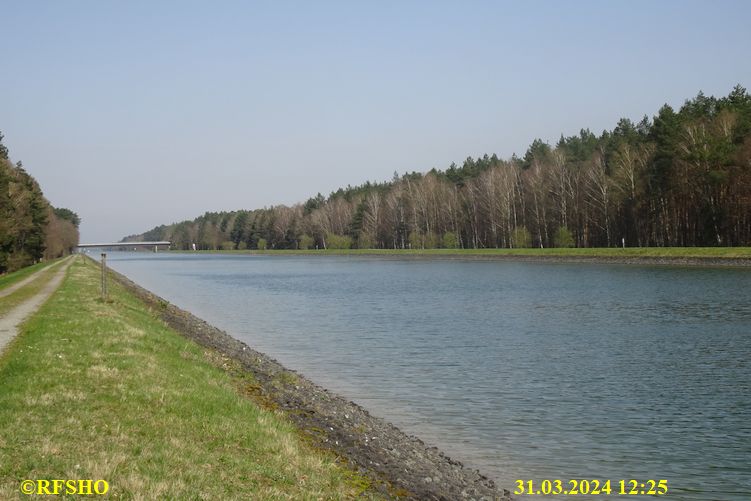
(10, 322)
(13, 288)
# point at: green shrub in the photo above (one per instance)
(415, 240)
(306, 242)
(335, 241)
(261, 244)
(450, 241)
(521, 238)
(563, 237)
(431, 240)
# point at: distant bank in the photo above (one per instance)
(678, 179)
(693, 256)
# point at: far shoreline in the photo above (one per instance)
(674, 256)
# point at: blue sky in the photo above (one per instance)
(135, 114)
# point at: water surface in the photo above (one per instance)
(523, 370)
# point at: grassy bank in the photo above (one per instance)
(94, 390)
(603, 252)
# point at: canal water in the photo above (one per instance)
(523, 370)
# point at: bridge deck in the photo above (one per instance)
(127, 244)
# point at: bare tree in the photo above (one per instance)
(599, 194)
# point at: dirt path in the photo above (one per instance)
(9, 323)
(13, 288)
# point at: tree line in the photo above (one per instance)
(31, 229)
(682, 178)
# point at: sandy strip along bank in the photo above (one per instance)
(371, 445)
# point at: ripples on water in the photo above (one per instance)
(524, 370)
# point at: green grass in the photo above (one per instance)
(11, 278)
(629, 252)
(27, 291)
(95, 390)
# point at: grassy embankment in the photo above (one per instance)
(95, 390)
(604, 252)
(27, 291)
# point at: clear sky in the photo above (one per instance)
(140, 113)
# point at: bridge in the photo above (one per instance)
(127, 245)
